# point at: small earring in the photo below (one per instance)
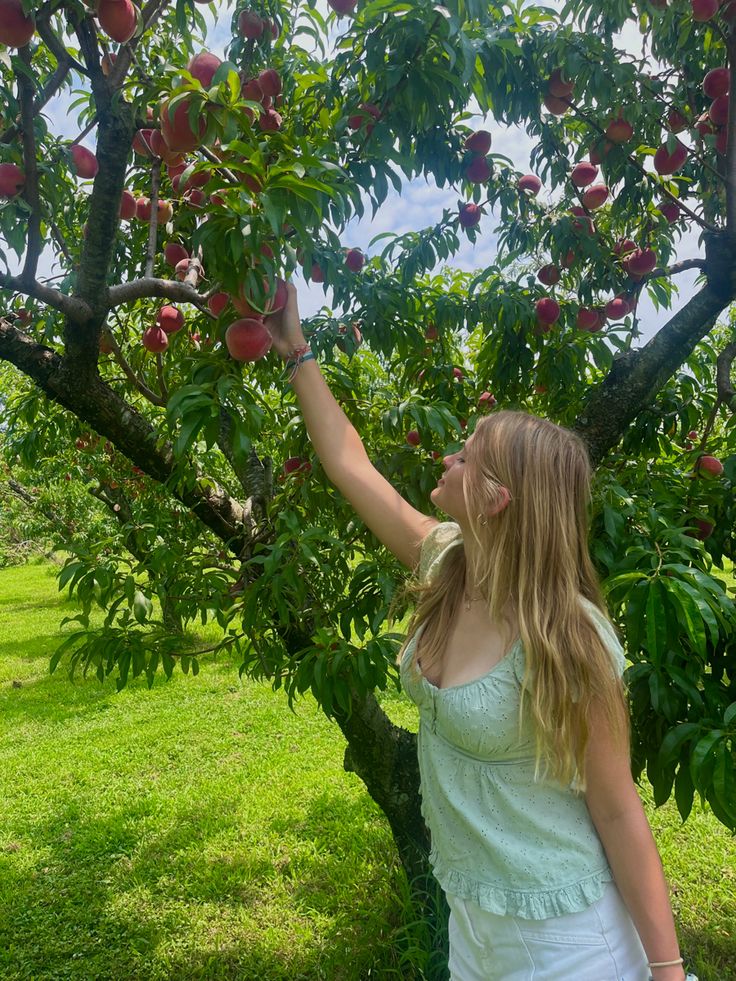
(482, 520)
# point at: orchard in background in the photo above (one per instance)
(142, 375)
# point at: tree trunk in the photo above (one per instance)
(384, 756)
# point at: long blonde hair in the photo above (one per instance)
(532, 558)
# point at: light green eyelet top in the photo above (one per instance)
(512, 845)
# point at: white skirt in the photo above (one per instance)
(598, 944)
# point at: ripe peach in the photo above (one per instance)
(717, 82)
(670, 210)
(558, 85)
(709, 466)
(718, 110)
(600, 151)
(217, 303)
(558, 107)
(413, 438)
(479, 142)
(160, 148)
(587, 319)
(295, 464)
(722, 141)
(176, 128)
(174, 253)
(12, 180)
(367, 111)
(595, 196)
(431, 333)
(704, 125)
(583, 174)
(164, 212)
(486, 400)
(142, 141)
(547, 310)
(549, 274)
(127, 205)
(342, 6)
(478, 170)
(676, 122)
(16, 27)
(252, 91)
(269, 121)
(354, 260)
(619, 130)
(143, 209)
(669, 163)
(118, 19)
(84, 161)
(624, 246)
(316, 274)
(641, 262)
(270, 82)
(170, 319)
(469, 215)
(457, 374)
(248, 339)
(203, 67)
(703, 10)
(155, 339)
(250, 24)
(616, 309)
(530, 182)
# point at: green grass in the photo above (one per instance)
(201, 830)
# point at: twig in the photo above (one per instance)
(30, 192)
(650, 177)
(153, 220)
(161, 380)
(60, 241)
(52, 86)
(131, 375)
(87, 129)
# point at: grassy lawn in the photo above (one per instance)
(201, 830)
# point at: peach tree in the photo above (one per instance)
(141, 255)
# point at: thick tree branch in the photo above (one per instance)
(95, 403)
(726, 392)
(637, 376)
(683, 266)
(168, 289)
(56, 47)
(70, 306)
(30, 192)
(730, 174)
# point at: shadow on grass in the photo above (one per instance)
(104, 903)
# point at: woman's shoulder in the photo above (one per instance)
(435, 544)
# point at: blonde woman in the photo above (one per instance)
(539, 838)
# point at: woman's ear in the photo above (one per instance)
(504, 498)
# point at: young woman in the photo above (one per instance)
(539, 838)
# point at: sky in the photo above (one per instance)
(421, 202)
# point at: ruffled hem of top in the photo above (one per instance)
(540, 905)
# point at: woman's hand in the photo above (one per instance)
(285, 326)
